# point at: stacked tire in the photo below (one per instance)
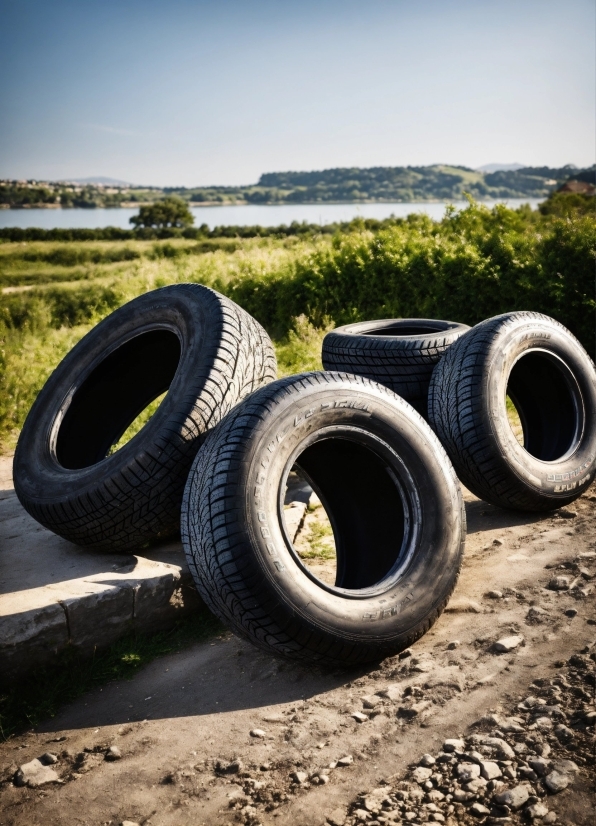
(215, 458)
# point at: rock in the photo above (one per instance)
(392, 692)
(421, 664)
(489, 770)
(559, 583)
(345, 761)
(223, 767)
(371, 701)
(536, 811)
(450, 677)
(475, 785)
(323, 779)
(113, 753)
(48, 759)
(511, 724)
(571, 612)
(359, 717)
(453, 744)
(337, 817)
(453, 645)
(427, 760)
(514, 798)
(564, 734)
(35, 774)
(536, 615)
(565, 766)
(459, 796)
(508, 643)
(540, 765)
(494, 594)
(129, 823)
(257, 732)
(551, 817)
(478, 810)
(556, 781)
(437, 817)
(463, 605)
(504, 749)
(420, 774)
(434, 796)
(543, 722)
(299, 777)
(467, 772)
(373, 800)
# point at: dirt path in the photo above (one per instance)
(183, 726)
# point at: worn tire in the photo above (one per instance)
(388, 488)
(552, 382)
(187, 339)
(400, 353)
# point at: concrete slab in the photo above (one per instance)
(54, 594)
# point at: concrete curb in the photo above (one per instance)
(54, 594)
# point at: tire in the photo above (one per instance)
(400, 353)
(392, 497)
(186, 339)
(552, 382)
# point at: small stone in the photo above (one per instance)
(467, 771)
(420, 774)
(392, 692)
(489, 770)
(223, 767)
(35, 774)
(113, 753)
(257, 732)
(434, 796)
(478, 810)
(540, 765)
(551, 817)
(359, 717)
(565, 766)
(405, 654)
(508, 643)
(556, 781)
(48, 759)
(371, 701)
(463, 605)
(337, 817)
(536, 615)
(559, 583)
(453, 645)
(437, 817)
(299, 777)
(514, 798)
(494, 594)
(453, 744)
(427, 760)
(571, 612)
(323, 779)
(345, 761)
(505, 752)
(564, 734)
(459, 796)
(566, 513)
(475, 785)
(536, 811)
(129, 823)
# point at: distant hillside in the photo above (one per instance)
(403, 184)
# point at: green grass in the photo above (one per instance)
(41, 695)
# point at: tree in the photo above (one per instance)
(171, 212)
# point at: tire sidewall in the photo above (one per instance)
(395, 613)
(518, 337)
(38, 474)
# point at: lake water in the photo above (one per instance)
(266, 216)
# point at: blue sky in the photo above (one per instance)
(189, 92)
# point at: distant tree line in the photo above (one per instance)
(401, 184)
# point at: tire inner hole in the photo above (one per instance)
(117, 399)
(350, 532)
(544, 406)
(405, 329)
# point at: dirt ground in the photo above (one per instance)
(222, 733)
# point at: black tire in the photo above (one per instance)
(389, 490)
(400, 353)
(186, 339)
(552, 382)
